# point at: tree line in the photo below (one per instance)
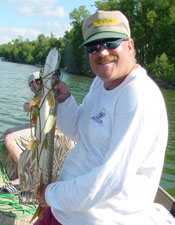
(152, 25)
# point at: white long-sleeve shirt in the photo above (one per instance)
(112, 174)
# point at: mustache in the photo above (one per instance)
(106, 59)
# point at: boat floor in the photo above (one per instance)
(7, 220)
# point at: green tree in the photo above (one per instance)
(152, 24)
(77, 16)
(162, 69)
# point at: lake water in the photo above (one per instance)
(14, 91)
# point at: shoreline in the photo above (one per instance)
(165, 84)
(161, 83)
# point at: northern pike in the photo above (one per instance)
(41, 145)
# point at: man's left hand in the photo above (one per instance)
(40, 195)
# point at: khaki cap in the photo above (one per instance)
(33, 76)
(105, 24)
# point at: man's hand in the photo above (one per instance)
(26, 107)
(40, 195)
(63, 91)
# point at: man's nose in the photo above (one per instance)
(103, 51)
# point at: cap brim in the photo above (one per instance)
(104, 35)
(30, 79)
(33, 76)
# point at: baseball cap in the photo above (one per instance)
(33, 76)
(104, 25)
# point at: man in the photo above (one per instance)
(112, 175)
(17, 138)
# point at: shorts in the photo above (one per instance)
(48, 218)
(22, 135)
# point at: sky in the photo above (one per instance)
(29, 18)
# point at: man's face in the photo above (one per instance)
(34, 85)
(112, 66)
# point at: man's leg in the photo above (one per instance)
(11, 146)
(16, 142)
(11, 130)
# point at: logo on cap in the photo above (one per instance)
(103, 22)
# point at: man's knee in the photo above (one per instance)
(9, 139)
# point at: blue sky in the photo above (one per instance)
(29, 18)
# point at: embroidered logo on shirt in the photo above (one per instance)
(99, 117)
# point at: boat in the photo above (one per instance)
(165, 199)
(165, 202)
(3, 59)
(20, 211)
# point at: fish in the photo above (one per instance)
(46, 120)
(45, 127)
(40, 150)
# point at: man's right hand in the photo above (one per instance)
(63, 91)
(26, 107)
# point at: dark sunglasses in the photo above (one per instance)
(94, 47)
(37, 80)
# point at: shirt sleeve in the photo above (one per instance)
(133, 134)
(69, 114)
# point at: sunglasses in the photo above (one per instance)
(111, 44)
(37, 81)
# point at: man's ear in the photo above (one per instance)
(131, 46)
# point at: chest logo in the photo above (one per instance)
(99, 118)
